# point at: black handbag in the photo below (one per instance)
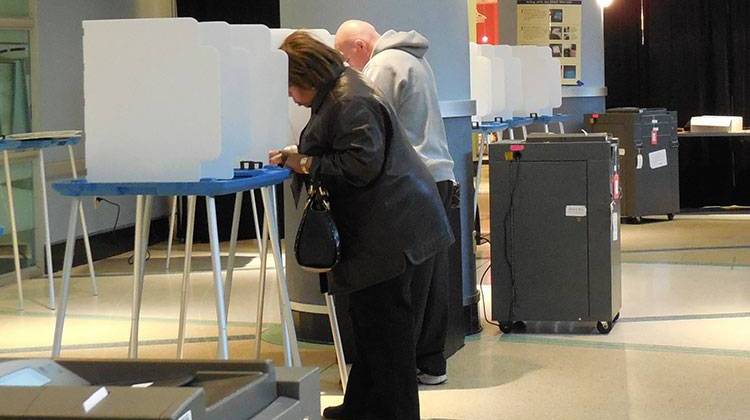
(317, 246)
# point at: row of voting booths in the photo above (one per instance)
(172, 106)
(514, 81)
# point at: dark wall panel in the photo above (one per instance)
(264, 12)
(691, 56)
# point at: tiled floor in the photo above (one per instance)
(680, 351)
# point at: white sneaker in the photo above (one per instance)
(427, 379)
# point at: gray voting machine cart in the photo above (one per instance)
(555, 234)
(649, 158)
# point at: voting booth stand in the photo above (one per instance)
(173, 116)
(39, 142)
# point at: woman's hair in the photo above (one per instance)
(312, 63)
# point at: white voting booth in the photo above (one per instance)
(514, 81)
(496, 81)
(481, 83)
(268, 108)
(176, 101)
(152, 93)
(535, 70)
(236, 64)
(170, 100)
(512, 73)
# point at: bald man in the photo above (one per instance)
(395, 64)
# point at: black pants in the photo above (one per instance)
(430, 301)
(382, 382)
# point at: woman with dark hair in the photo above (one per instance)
(390, 219)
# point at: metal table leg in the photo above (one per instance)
(232, 249)
(186, 274)
(291, 349)
(172, 217)
(213, 232)
(142, 227)
(13, 229)
(47, 241)
(478, 178)
(337, 343)
(85, 228)
(62, 307)
(263, 254)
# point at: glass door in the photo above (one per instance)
(16, 24)
(15, 77)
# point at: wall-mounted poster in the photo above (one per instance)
(557, 24)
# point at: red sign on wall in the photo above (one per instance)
(488, 29)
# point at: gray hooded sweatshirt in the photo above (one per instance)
(401, 73)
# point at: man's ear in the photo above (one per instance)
(360, 44)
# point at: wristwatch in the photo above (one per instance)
(304, 164)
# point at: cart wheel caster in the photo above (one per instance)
(604, 327)
(670, 216)
(637, 220)
(519, 326)
(506, 327)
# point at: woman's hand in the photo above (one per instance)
(279, 157)
(276, 157)
(294, 162)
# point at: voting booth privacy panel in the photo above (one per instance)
(174, 100)
(514, 81)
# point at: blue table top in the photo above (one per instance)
(244, 180)
(8, 144)
(547, 119)
(490, 126)
(516, 122)
(521, 122)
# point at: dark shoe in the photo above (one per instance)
(335, 412)
(427, 379)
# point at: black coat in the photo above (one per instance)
(383, 199)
